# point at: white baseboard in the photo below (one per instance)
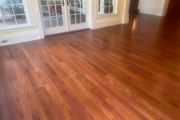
(106, 23)
(152, 11)
(148, 12)
(125, 20)
(20, 39)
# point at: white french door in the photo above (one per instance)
(77, 14)
(63, 15)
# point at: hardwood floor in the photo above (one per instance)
(123, 72)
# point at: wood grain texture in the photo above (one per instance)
(173, 7)
(123, 72)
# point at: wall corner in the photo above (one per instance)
(126, 12)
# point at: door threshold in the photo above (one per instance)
(46, 36)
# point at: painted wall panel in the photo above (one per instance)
(154, 7)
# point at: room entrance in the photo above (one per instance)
(63, 15)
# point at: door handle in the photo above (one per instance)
(63, 2)
(67, 2)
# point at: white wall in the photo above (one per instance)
(154, 7)
(99, 21)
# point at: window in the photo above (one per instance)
(12, 13)
(107, 6)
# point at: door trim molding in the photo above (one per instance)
(52, 35)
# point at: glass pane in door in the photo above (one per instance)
(54, 21)
(78, 18)
(47, 23)
(52, 13)
(58, 1)
(60, 20)
(73, 19)
(77, 11)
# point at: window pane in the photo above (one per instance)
(72, 19)
(60, 21)
(112, 3)
(77, 8)
(21, 19)
(77, 1)
(1, 22)
(101, 11)
(83, 17)
(7, 10)
(72, 9)
(16, 1)
(18, 9)
(106, 10)
(71, 1)
(9, 20)
(12, 13)
(59, 10)
(58, 1)
(45, 11)
(54, 22)
(51, 2)
(43, 2)
(52, 10)
(47, 23)
(100, 3)
(83, 1)
(78, 18)
(5, 1)
(106, 6)
(83, 9)
(111, 10)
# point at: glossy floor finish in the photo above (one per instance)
(123, 72)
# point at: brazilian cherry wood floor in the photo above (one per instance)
(123, 72)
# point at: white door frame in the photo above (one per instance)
(54, 30)
(80, 25)
(92, 11)
(66, 20)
